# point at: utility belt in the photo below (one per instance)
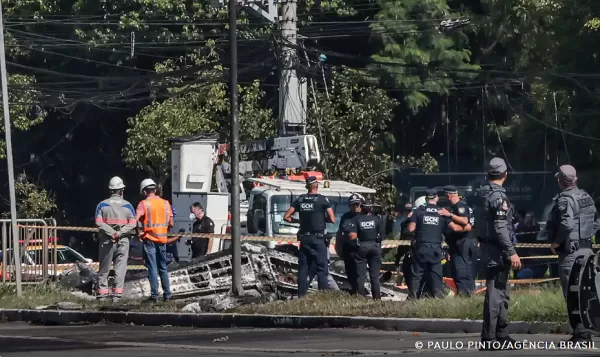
(422, 242)
(575, 245)
(318, 235)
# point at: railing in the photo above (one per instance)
(37, 249)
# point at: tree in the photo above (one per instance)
(415, 52)
(201, 107)
(352, 123)
(33, 201)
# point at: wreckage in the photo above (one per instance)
(267, 275)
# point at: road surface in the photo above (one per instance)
(22, 339)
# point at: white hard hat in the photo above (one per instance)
(421, 201)
(146, 183)
(116, 183)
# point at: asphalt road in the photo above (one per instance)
(21, 339)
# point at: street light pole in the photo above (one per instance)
(236, 276)
(9, 157)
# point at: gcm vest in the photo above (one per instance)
(156, 219)
(584, 211)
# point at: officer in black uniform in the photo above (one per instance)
(366, 231)
(499, 254)
(312, 209)
(345, 249)
(462, 246)
(429, 227)
(570, 227)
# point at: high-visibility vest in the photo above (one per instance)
(156, 219)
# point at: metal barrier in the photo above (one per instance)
(37, 248)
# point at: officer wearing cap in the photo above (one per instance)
(570, 227)
(461, 245)
(312, 210)
(343, 247)
(366, 231)
(500, 256)
(428, 226)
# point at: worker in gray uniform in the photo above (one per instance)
(499, 256)
(115, 218)
(570, 227)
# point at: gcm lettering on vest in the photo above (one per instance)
(367, 225)
(431, 220)
(306, 206)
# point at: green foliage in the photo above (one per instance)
(353, 122)
(414, 52)
(24, 110)
(201, 107)
(33, 201)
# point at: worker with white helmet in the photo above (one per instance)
(116, 222)
(156, 216)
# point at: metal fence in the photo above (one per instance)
(37, 249)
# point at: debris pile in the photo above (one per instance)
(267, 275)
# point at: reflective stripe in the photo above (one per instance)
(103, 291)
(118, 291)
(112, 221)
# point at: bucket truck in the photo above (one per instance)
(200, 173)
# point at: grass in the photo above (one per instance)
(545, 305)
(526, 304)
(44, 295)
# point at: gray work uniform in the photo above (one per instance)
(572, 223)
(114, 215)
(496, 249)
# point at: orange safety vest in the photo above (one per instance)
(156, 219)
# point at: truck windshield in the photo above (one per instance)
(280, 204)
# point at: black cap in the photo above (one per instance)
(311, 180)
(354, 198)
(450, 189)
(408, 207)
(431, 193)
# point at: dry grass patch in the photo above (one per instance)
(534, 304)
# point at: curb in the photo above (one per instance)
(272, 321)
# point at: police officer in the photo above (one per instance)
(461, 245)
(366, 231)
(345, 249)
(312, 208)
(429, 227)
(572, 223)
(499, 254)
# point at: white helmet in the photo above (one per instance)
(116, 183)
(146, 183)
(421, 201)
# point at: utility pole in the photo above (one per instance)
(9, 157)
(236, 241)
(292, 93)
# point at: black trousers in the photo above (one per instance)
(368, 253)
(495, 305)
(426, 263)
(349, 259)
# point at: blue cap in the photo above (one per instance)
(450, 189)
(431, 193)
(311, 180)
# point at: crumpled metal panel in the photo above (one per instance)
(264, 270)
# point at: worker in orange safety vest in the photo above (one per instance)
(156, 216)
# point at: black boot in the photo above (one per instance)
(487, 345)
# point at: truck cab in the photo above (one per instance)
(269, 201)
